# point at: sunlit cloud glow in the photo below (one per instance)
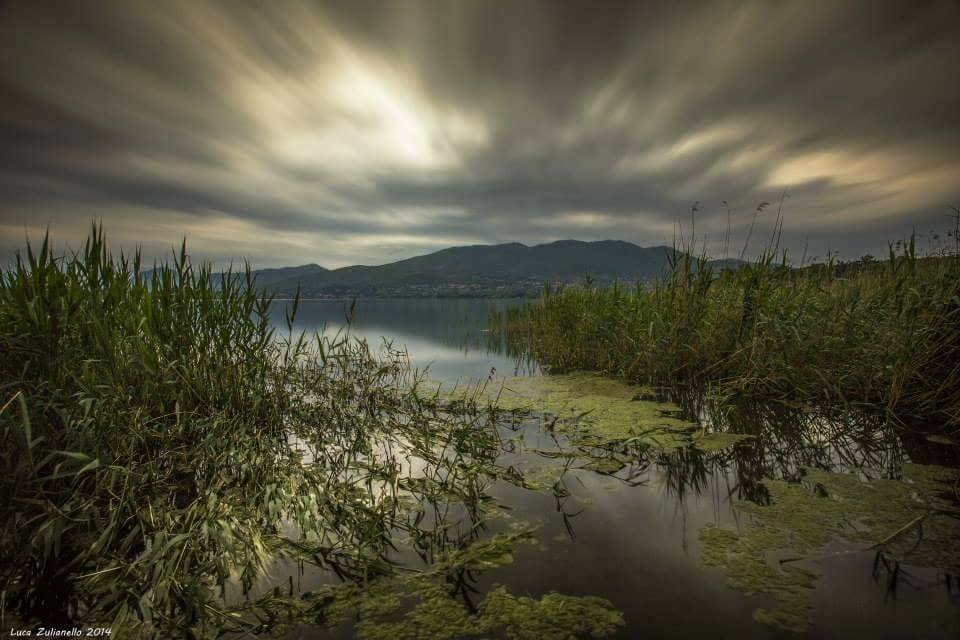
(368, 131)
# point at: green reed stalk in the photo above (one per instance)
(153, 441)
(882, 334)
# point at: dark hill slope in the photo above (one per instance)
(478, 270)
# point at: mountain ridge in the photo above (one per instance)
(501, 270)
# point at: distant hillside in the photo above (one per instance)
(476, 271)
(273, 277)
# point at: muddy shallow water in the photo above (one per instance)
(642, 498)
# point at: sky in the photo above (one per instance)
(359, 132)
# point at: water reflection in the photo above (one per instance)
(620, 521)
(448, 335)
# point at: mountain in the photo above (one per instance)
(476, 271)
(269, 278)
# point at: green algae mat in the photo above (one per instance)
(420, 605)
(915, 521)
(594, 410)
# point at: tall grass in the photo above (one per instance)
(884, 334)
(152, 438)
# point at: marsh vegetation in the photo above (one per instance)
(883, 335)
(163, 447)
(180, 459)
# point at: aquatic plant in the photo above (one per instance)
(877, 334)
(915, 521)
(420, 606)
(593, 411)
(170, 463)
(159, 441)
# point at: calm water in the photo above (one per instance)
(446, 335)
(632, 537)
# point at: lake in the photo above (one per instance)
(632, 532)
(448, 335)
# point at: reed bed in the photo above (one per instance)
(881, 334)
(158, 441)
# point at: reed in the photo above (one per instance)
(882, 334)
(158, 440)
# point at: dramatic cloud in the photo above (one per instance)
(347, 131)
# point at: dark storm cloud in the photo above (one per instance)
(349, 131)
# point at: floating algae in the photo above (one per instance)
(490, 553)
(436, 615)
(597, 411)
(605, 465)
(433, 612)
(744, 556)
(543, 478)
(554, 616)
(914, 521)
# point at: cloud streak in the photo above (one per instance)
(365, 132)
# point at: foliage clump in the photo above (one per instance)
(159, 440)
(882, 333)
